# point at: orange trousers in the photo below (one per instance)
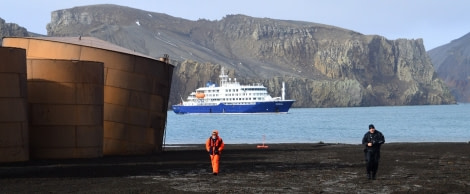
(215, 163)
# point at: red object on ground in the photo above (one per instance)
(262, 146)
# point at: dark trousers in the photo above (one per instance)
(372, 161)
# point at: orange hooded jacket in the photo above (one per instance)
(214, 147)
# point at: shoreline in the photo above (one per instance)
(437, 167)
(319, 143)
(327, 143)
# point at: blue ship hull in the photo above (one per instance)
(259, 107)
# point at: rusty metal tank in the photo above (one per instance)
(14, 141)
(136, 89)
(66, 108)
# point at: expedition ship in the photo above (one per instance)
(231, 97)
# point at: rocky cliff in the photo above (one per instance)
(322, 65)
(452, 63)
(11, 29)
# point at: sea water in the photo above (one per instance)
(430, 123)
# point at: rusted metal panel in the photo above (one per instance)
(14, 137)
(135, 84)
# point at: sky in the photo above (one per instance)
(437, 22)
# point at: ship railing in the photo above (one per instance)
(239, 103)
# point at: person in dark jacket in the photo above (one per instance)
(372, 141)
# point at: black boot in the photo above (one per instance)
(373, 175)
(368, 176)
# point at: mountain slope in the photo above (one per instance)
(322, 65)
(452, 63)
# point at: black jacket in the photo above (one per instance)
(376, 138)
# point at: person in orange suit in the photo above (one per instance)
(214, 146)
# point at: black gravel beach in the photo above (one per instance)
(280, 168)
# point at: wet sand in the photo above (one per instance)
(281, 168)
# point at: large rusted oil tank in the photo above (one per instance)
(14, 141)
(66, 108)
(136, 89)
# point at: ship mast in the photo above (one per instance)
(223, 77)
(283, 91)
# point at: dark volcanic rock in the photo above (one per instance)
(281, 168)
(322, 65)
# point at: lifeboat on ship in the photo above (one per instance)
(200, 95)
